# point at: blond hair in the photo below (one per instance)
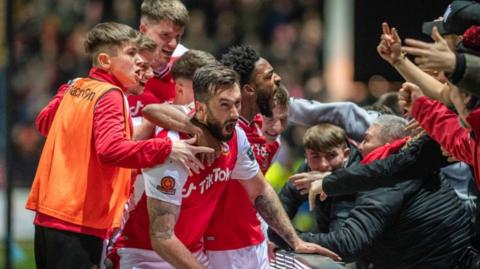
(157, 10)
(107, 37)
(324, 137)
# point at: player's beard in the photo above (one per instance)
(216, 128)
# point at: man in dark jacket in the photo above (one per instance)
(419, 223)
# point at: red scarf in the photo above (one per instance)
(385, 150)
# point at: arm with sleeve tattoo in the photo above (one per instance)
(268, 205)
(163, 216)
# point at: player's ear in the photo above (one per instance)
(248, 89)
(104, 61)
(201, 111)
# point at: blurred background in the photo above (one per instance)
(323, 49)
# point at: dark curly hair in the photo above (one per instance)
(242, 59)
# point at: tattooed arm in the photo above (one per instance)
(268, 205)
(163, 216)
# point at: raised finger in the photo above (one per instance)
(395, 35)
(385, 28)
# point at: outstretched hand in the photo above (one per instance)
(435, 56)
(305, 247)
(303, 181)
(390, 45)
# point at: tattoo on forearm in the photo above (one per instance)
(272, 212)
(162, 216)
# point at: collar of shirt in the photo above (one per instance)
(102, 75)
(161, 72)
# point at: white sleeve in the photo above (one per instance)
(165, 182)
(246, 166)
(354, 119)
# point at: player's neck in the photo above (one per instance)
(249, 109)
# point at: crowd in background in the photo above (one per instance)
(48, 51)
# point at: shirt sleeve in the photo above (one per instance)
(165, 182)
(443, 126)
(246, 166)
(354, 119)
(45, 117)
(111, 144)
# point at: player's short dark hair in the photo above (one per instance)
(324, 137)
(211, 78)
(242, 59)
(107, 37)
(186, 65)
(158, 10)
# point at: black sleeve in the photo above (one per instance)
(291, 199)
(466, 71)
(419, 159)
(373, 211)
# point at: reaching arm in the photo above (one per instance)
(420, 158)
(354, 119)
(171, 117)
(268, 206)
(390, 50)
(366, 222)
(443, 126)
(163, 216)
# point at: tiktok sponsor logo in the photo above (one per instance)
(217, 175)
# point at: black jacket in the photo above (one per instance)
(414, 224)
(419, 159)
(417, 223)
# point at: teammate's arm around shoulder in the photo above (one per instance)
(170, 116)
(163, 216)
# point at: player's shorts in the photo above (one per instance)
(135, 258)
(242, 258)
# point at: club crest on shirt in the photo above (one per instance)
(167, 185)
(225, 149)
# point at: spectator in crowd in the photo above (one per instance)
(326, 149)
(385, 223)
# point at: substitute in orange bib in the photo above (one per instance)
(80, 187)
